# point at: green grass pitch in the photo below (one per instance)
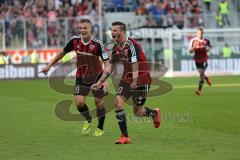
(193, 128)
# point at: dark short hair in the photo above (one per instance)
(85, 20)
(121, 24)
(200, 29)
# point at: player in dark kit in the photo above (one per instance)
(200, 47)
(90, 52)
(135, 80)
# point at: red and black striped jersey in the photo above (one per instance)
(88, 54)
(132, 52)
(201, 49)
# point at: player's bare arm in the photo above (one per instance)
(135, 75)
(209, 46)
(55, 60)
(192, 47)
(108, 69)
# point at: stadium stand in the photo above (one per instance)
(38, 14)
(47, 24)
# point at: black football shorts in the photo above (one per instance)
(139, 94)
(83, 87)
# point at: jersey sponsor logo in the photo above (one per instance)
(77, 47)
(201, 45)
(84, 53)
(91, 48)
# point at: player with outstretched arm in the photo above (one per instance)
(90, 54)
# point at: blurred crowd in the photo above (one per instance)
(46, 8)
(52, 22)
(167, 13)
(161, 13)
(37, 13)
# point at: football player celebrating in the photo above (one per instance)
(135, 80)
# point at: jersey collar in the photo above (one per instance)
(88, 41)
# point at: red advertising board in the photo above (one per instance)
(44, 56)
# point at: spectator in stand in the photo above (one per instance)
(130, 5)
(219, 20)
(13, 10)
(169, 22)
(70, 12)
(171, 6)
(31, 33)
(200, 21)
(141, 8)
(238, 6)
(195, 16)
(73, 28)
(119, 5)
(2, 8)
(81, 8)
(169, 13)
(41, 8)
(180, 7)
(35, 32)
(148, 6)
(61, 12)
(1, 58)
(226, 51)
(223, 8)
(208, 4)
(28, 12)
(4, 58)
(194, 7)
(150, 22)
(179, 19)
(52, 12)
(158, 12)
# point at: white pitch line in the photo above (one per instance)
(213, 85)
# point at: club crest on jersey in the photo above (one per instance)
(91, 47)
(77, 47)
